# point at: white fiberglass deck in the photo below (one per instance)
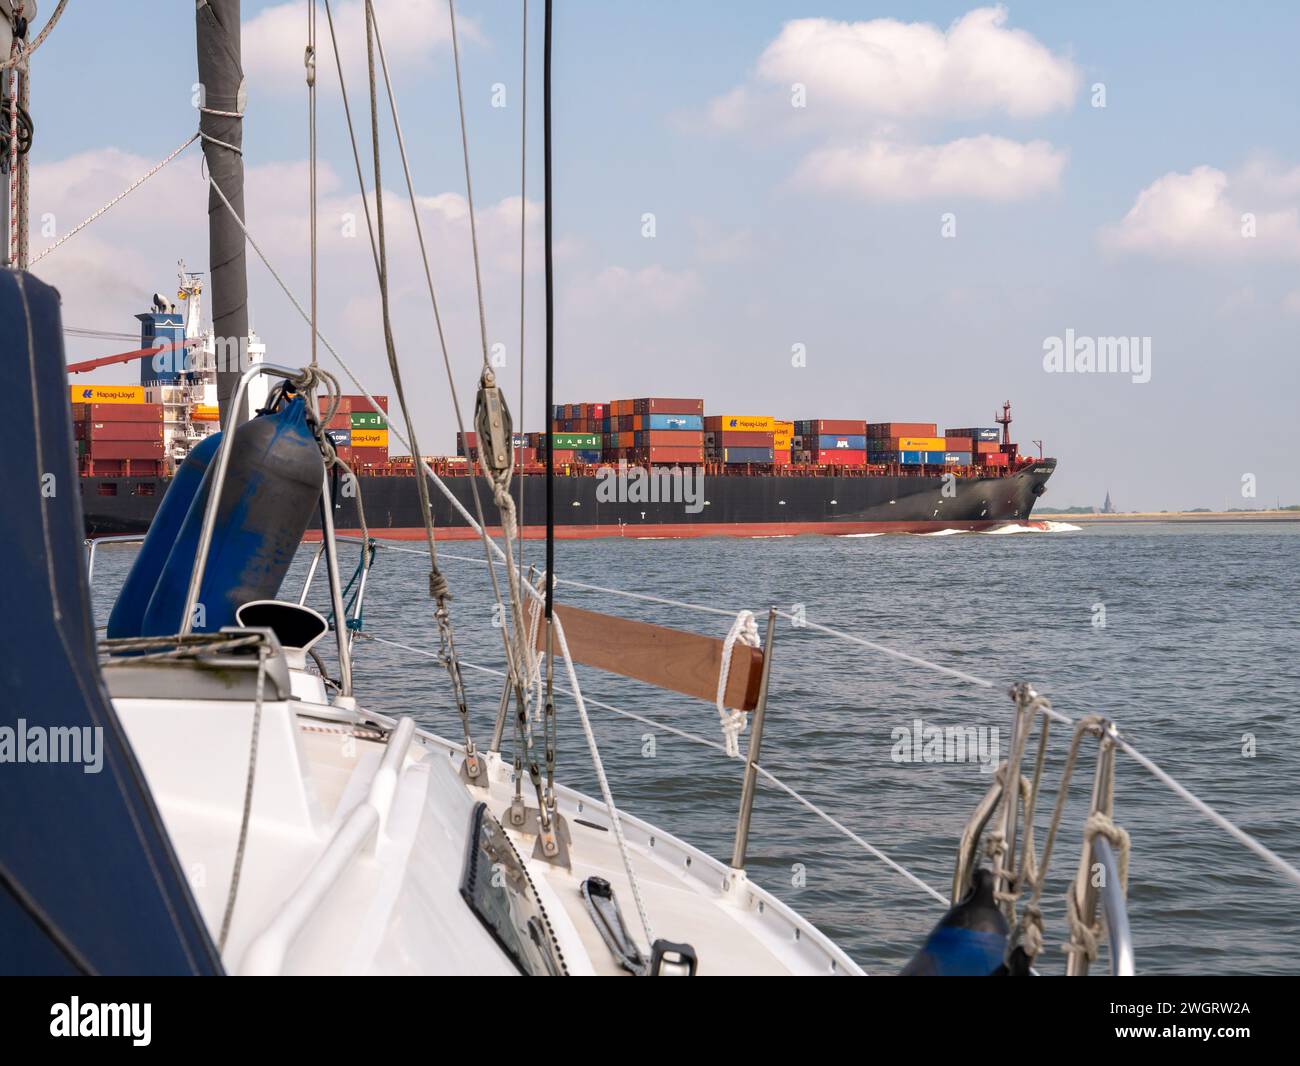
(357, 844)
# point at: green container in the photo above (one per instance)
(565, 441)
(369, 420)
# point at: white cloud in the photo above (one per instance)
(1205, 213)
(411, 31)
(617, 291)
(888, 69)
(983, 167)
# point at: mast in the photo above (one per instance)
(221, 106)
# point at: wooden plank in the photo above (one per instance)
(666, 658)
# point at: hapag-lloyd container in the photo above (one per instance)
(102, 431)
(741, 423)
(99, 411)
(114, 394)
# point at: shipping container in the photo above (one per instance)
(782, 435)
(122, 449)
(368, 420)
(781, 457)
(694, 423)
(101, 431)
(985, 433)
(902, 429)
(746, 423)
(958, 444)
(120, 394)
(817, 427)
(367, 457)
(739, 439)
(734, 456)
(340, 422)
(987, 447)
(340, 438)
(588, 455)
(668, 406)
(666, 456)
(117, 412)
(370, 439)
(918, 444)
(838, 457)
(359, 404)
(947, 458)
(994, 459)
(670, 438)
(571, 441)
(841, 442)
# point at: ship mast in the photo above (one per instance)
(221, 106)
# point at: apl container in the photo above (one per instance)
(831, 442)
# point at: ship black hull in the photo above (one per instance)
(736, 505)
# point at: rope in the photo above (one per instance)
(116, 199)
(745, 630)
(51, 22)
(1085, 938)
(246, 816)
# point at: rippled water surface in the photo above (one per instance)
(1197, 655)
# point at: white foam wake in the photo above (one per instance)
(1036, 526)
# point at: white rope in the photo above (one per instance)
(116, 199)
(20, 61)
(733, 721)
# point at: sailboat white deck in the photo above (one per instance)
(348, 869)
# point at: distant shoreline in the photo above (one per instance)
(1175, 516)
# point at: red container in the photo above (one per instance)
(145, 468)
(565, 455)
(344, 452)
(127, 449)
(360, 405)
(344, 407)
(117, 412)
(105, 431)
(340, 421)
(739, 438)
(995, 459)
(781, 457)
(101, 467)
(364, 457)
(986, 447)
(841, 457)
(667, 455)
(957, 444)
(834, 426)
(673, 438)
(902, 429)
(667, 406)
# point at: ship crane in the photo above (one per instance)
(124, 357)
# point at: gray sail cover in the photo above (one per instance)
(89, 882)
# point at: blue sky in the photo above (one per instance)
(774, 225)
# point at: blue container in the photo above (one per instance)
(829, 442)
(947, 458)
(908, 458)
(340, 438)
(746, 455)
(588, 455)
(695, 422)
(984, 433)
(127, 616)
(273, 485)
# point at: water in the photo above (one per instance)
(1197, 652)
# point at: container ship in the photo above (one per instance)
(643, 467)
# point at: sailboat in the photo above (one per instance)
(204, 790)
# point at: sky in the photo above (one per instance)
(808, 210)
